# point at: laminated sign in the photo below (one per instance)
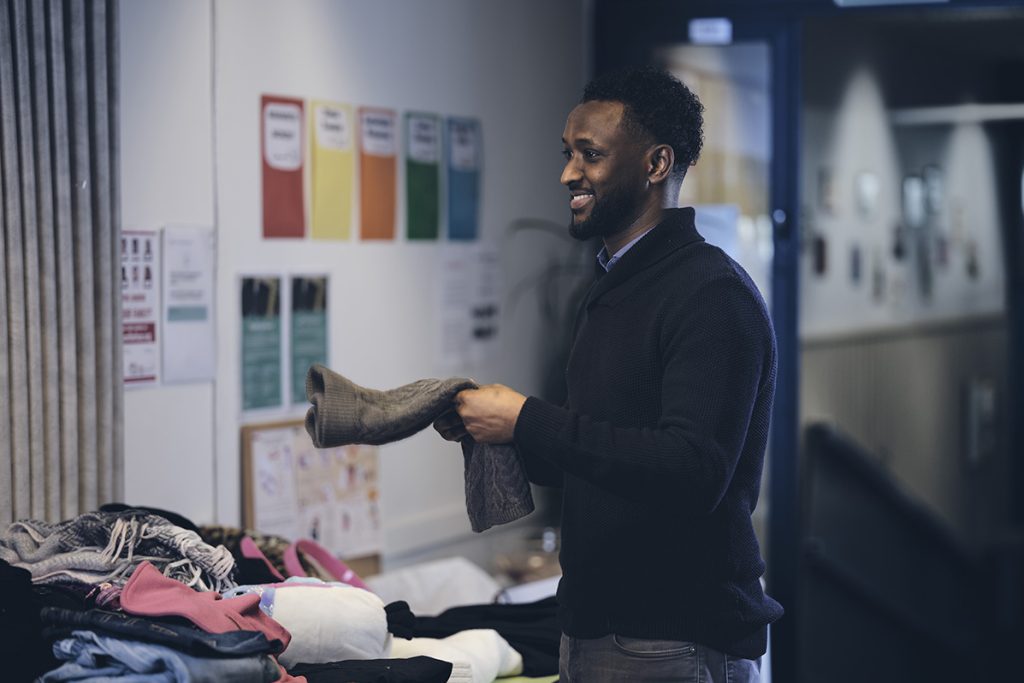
(281, 130)
(422, 174)
(464, 156)
(332, 166)
(377, 170)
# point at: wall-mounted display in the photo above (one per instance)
(332, 169)
(934, 189)
(855, 265)
(260, 299)
(308, 324)
(140, 306)
(464, 146)
(293, 490)
(866, 189)
(914, 209)
(826, 190)
(281, 129)
(422, 175)
(189, 353)
(378, 150)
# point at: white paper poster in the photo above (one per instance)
(470, 305)
(140, 306)
(189, 346)
(455, 332)
(330, 495)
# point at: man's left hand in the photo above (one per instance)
(490, 412)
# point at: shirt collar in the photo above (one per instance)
(608, 263)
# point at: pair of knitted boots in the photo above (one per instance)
(342, 412)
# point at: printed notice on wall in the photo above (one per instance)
(140, 306)
(464, 163)
(378, 149)
(470, 305)
(455, 332)
(281, 127)
(332, 167)
(308, 323)
(189, 347)
(261, 342)
(330, 495)
(422, 175)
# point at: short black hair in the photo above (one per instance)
(657, 105)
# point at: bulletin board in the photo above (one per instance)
(293, 490)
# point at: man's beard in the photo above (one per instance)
(608, 216)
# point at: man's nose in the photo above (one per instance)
(571, 172)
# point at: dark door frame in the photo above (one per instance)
(625, 33)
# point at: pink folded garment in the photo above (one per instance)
(310, 548)
(149, 593)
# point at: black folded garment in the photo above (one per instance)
(180, 635)
(23, 651)
(411, 670)
(530, 628)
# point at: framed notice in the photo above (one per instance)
(140, 306)
(291, 489)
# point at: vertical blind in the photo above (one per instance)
(60, 349)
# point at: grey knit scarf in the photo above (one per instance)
(98, 547)
(343, 412)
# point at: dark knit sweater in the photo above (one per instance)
(660, 448)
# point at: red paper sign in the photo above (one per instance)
(281, 130)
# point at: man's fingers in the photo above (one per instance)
(449, 426)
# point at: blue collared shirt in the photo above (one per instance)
(608, 263)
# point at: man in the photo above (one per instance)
(660, 446)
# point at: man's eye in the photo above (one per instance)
(567, 153)
(591, 154)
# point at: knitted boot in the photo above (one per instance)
(343, 412)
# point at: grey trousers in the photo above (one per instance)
(618, 659)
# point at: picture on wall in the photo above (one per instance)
(260, 299)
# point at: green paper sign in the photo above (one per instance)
(422, 175)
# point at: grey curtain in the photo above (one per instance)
(60, 316)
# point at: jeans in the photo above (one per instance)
(618, 659)
(182, 637)
(88, 656)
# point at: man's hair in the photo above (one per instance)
(657, 106)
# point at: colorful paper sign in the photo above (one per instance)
(378, 152)
(140, 306)
(283, 196)
(261, 342)
(332, 166)
(464, 163)
(308, 330)
(422, 175)
(188, 322)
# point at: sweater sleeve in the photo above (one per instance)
(717, 350)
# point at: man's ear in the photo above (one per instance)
(661, 159)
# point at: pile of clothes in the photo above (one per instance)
(144, 595)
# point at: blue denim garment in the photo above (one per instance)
(617, 658)
(92, 658)
(182, 637)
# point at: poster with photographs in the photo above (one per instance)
(294, 490)
(140, 306)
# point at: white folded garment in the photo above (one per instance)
(487, 654)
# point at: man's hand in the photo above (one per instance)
(488, 414)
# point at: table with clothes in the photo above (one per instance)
(143, 594)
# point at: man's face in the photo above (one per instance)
(604, 170)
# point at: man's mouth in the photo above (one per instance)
(580, 200)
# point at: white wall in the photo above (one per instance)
(517, 66)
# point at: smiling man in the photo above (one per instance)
(660, 446)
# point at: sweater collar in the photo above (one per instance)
(675, 231)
